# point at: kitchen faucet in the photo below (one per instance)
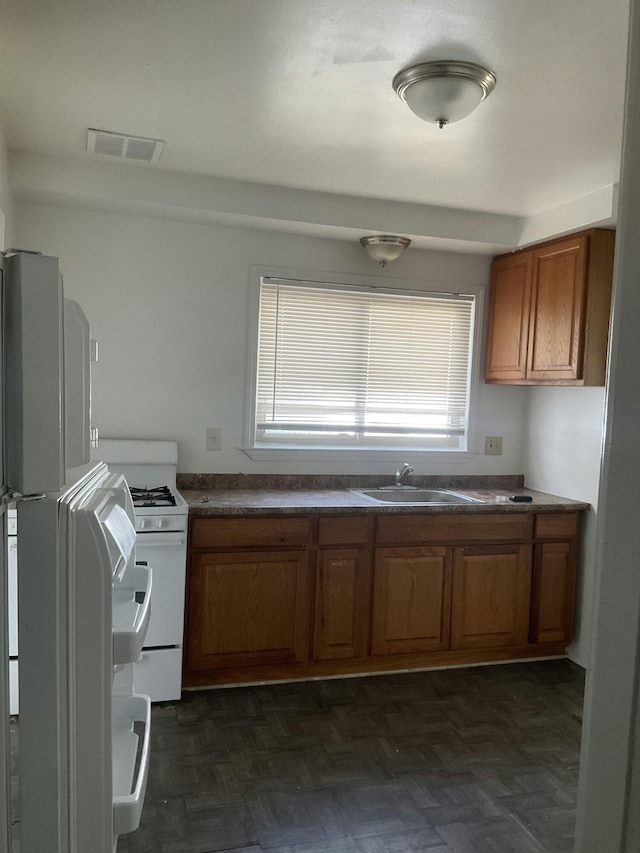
(403, 474)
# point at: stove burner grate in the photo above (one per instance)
(158, 496)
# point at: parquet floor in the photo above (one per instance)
(478, 760)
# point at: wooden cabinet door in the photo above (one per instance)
(556, 324)
(508, 330)
(491, 596)
(553, 592)
(341, 604)
(247, 609)
(411, 600)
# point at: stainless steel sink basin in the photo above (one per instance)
(415, 496)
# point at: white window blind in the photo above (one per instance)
(344, 366)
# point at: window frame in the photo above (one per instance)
(299, 452)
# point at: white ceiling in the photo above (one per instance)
(297, 93)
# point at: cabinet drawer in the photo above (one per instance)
(249, 532)
(343, 530)
(497, 527)
(556, 525)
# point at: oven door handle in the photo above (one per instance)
(151, 540)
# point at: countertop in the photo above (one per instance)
(343, 501)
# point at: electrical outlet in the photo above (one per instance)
(493, 445)
(213, 438)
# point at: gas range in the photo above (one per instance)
(161, 515)
(158, 496)
(150, 470)
(158, 508)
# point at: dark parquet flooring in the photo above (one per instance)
(478, 760)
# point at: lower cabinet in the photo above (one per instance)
(296, 597)
(247, 609)
(553, 586)
(411, 600)
(553, 592)
(341, 604)
(491, 596)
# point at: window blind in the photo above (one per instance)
(340, 365)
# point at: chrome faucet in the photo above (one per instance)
(402, 475)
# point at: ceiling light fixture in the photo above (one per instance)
(443, 92)
(384, 248)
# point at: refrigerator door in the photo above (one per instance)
(34, 375)
(5, 747)
(72, 547)
(76, 539)
(48, 364)
(77, 385)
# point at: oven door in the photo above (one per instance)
(166, 553)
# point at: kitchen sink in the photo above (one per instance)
(416, 496)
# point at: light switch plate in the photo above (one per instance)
(493, 445)
(213, 438)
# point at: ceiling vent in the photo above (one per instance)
(124, 147)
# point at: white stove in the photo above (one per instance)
(153, 508)
(150, 469)
(161, 518)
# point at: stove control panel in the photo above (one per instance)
(155, 523)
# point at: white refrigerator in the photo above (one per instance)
(83, 602)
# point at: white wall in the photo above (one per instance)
(562, 454)
(182, 290)
(168, 304)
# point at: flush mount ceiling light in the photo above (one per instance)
(384, 248)
(443, 92)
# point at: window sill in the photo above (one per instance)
(295, 454)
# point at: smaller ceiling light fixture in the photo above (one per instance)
(384, 248)
(443, 92)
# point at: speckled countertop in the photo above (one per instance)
(207, 495)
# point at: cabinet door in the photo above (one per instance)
(553, 592)
(247, 609)
(411, 600)
(556, 325)
(341, 604)
(506, 357)
(491, 596)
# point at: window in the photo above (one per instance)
(344, 366)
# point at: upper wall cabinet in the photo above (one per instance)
(549, 312)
